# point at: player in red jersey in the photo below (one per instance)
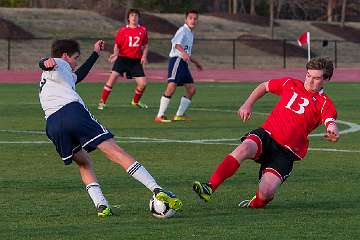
(130, 53)
(283, 138)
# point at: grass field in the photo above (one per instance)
(43, 199)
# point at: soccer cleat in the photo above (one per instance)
(169, 198)
(139, 104)
(246, 203)
(162, 119)
(101, 105)
(104, 211)
(181, 118)
(203, 190)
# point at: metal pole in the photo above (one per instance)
(284, 53)
(233, 42)
(335, 52)
(8, 57)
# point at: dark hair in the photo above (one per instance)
(69, 46)
(322, 63)
(132, 10)
(191, 11)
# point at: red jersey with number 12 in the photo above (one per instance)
(131, 41)
(297, 114)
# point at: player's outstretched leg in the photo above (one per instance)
(203, 190)
(169, 198)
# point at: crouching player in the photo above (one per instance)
(75, 131)
(283, 138)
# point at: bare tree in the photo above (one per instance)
(343, 13)
(278, 8)
(271, 11)
(216, 5)
(252, 8)
(330, 7)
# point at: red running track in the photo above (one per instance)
(209, 75)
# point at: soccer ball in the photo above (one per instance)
(160, 209)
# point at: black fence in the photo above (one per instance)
(20, 54)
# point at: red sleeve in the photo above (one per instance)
(276, 85)
(119, 37)
(328, 113)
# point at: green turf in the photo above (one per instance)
(42, 199)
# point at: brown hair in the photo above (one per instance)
(322, 63)
(132, 10)
(68, 46)
(191, 11)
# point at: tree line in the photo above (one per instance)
(321, 10)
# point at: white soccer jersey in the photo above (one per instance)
(185, 38)
(57, 88)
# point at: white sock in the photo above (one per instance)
(164, 103)
(184, 104)
(96, 194)
(137, 171)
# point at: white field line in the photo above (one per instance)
(353, 127)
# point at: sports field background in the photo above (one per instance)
(43, 199)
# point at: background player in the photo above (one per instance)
(75, 131)
(178, 69)
(282, 139)
(130, 54)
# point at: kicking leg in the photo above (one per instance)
(229, 165)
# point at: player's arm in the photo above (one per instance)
(245, 110)
(184, 54)
(85, 68)
(144, 54)
(197, 64)
(115, 54)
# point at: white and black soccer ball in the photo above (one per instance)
(160, 209)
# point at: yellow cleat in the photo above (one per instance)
(139, 104)
(203, 190)
(104, 211)
(181, 118)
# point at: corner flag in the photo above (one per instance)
(304, 39)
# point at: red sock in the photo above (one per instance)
(105, 93)
(138, 95)
(226, 169)
(257, 202)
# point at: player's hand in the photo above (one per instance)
(50, 63)
(332, 133)
(244, 112)
(185, 56)
(113, 58)
(99, 46)
(198, 66)
(143, 60)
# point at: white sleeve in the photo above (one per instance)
(178, 38)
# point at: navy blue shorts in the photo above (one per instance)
(272, 156)
(72, 128)
(128, 67)
(178, 71)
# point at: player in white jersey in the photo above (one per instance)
(75, 131)
(178, 69)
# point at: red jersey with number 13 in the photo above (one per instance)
(131, 41)
(297, 114)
